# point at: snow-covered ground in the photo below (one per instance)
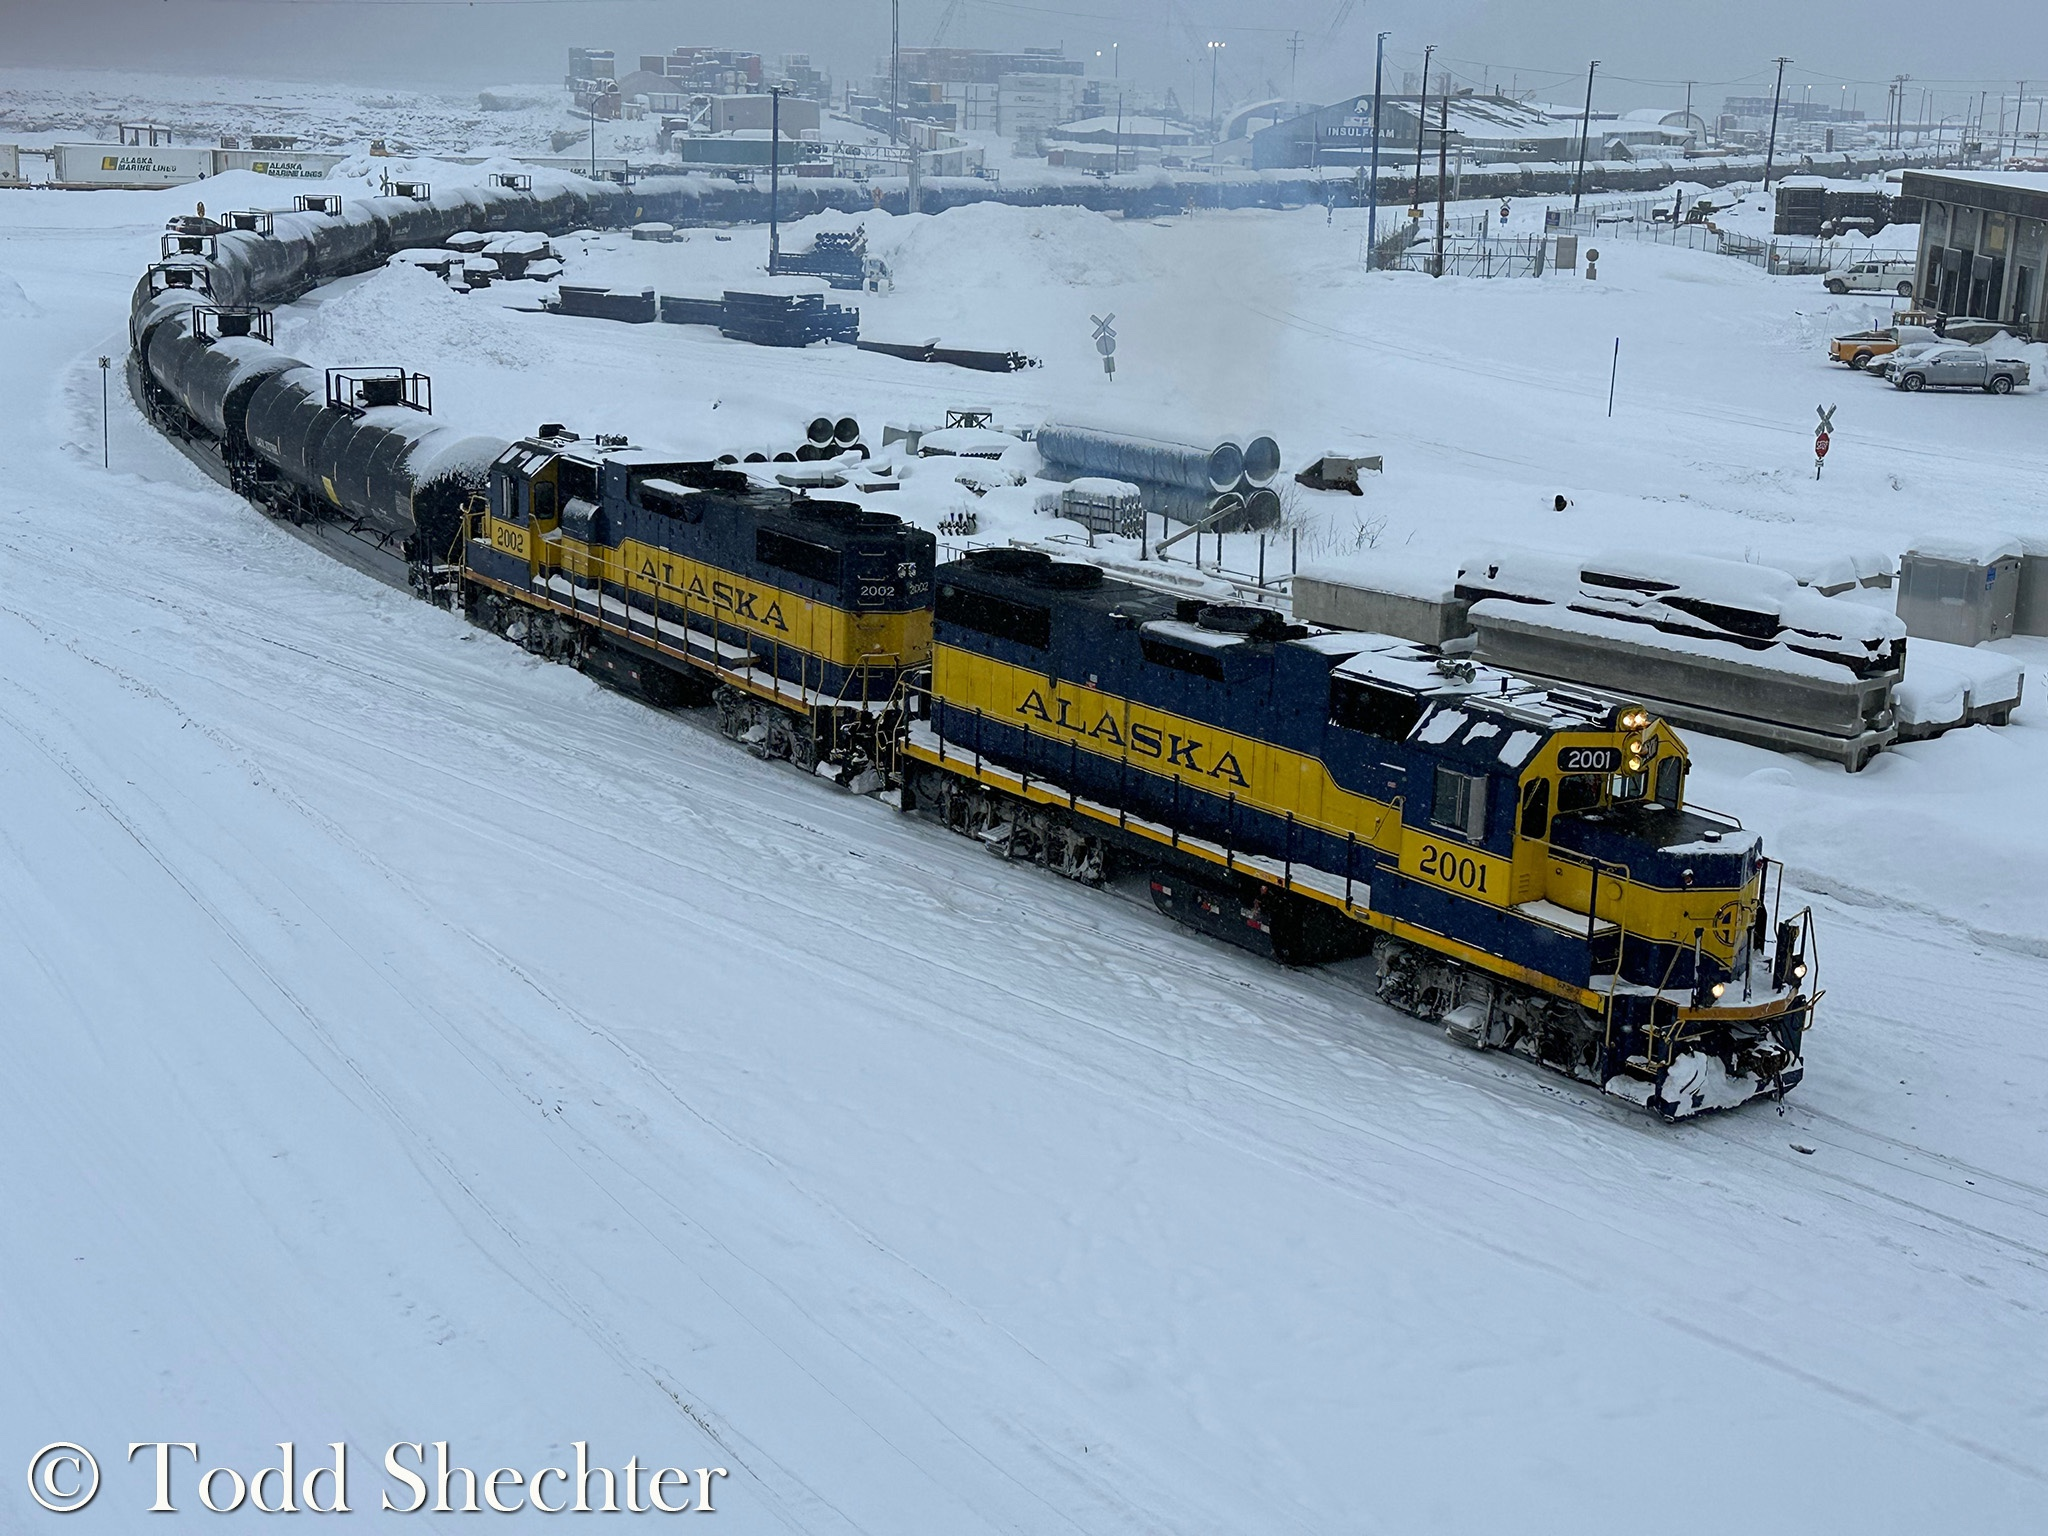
(411, 1041)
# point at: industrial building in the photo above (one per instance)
(1983, 243)
(1490, 129)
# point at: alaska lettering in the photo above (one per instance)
(1144, 740)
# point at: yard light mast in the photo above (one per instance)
(1421, 132)
(1777, 94)
(775, 93)
(1585, 133)
(1372, 215)
(1215, 54)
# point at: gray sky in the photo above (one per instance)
(1647, 47)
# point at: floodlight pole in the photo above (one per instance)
(1372, 216)
(1421, 133)
(1585, 133)
(774, 177)
(1771, 153)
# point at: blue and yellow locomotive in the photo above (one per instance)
(690, 582)
(1521, 862)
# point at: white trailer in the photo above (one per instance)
(10, 162)
(127, 165)
(289, 164)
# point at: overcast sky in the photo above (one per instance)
(1647, 47)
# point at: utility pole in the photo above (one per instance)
(895, 71)
(1215, 55)
(1899, 112)
(1777, 94)
(1585, 133)
(2019, 113)
(1372, 215)
(1294, 47)
(775, 177)
(1688, 110)
(1443, 155)
(1421, 132)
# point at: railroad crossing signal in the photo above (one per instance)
(1105, 341)
(1821, 436)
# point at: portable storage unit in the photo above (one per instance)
(2031, 616)
(1958, 592)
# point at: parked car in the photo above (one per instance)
(1873, 275)
(1955, 368)
(1860, 348)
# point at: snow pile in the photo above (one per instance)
(403, 308)
(1003, 246)
(14, 304)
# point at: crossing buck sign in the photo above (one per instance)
(1822, 436)
(1105, 341)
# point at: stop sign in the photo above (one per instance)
(1820, 445)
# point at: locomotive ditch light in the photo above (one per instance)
(1717, 989)
(1799, 970)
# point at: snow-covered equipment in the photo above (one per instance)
(1961, 591)
(1741, 650)
(1104, 506)
(786, 312)
(1384, 595)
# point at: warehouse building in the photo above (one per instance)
(1491, 129)
(1983, 243)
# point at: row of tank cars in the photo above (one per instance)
(1520, 861)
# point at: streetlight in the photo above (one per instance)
(1215, 54)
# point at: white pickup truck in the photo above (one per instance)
(1873, 274)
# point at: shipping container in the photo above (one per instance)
(290, 164)
(118, 165)
(10, 162)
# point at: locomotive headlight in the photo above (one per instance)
(1718, 988)
(1799, 970)
(1634, 719)
(1635, 746)
(1635, 765)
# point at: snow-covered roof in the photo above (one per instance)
(2019, 181)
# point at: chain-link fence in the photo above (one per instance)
(1518, 256)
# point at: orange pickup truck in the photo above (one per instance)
(1859, 347)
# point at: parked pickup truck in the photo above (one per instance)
(1859, 348)
(1873, 275)
(1956, 368)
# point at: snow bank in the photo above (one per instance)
(401, 309)
(14, 304)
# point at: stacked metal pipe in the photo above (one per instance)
(1227, 482)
